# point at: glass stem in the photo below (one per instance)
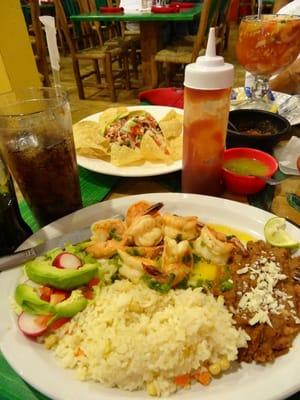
(260, 87)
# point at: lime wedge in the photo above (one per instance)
(276, 235)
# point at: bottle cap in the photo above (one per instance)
(209, 71)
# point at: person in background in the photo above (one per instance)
(287, 81)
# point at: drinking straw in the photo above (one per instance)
(49, 23)
(259, 9)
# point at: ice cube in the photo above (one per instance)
(25, 141)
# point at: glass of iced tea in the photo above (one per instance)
(265, 46)
(37, 144)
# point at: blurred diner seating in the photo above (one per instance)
(171, 60)
(102, 58)
(37, 39)
(115, 34)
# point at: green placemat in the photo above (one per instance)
(12, 387)
(94, 187)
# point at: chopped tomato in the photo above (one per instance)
(88, 293)
(93, 282)
(43, 320)
(135, 130)
(60, 291)
(182, 380)
(45, 293)
(56, 298)
(270, 26)
(59, 322)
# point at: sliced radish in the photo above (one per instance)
(67, 260)
(29, 326)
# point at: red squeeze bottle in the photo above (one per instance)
(207, 87)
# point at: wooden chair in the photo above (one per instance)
(110, 35)
(184, 53)
(37, 38)
(103, 31)
(219, 18)
(128, 38)
(105, 55)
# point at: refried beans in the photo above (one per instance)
(265, 300)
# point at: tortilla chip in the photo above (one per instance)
(151, 151)
(171, 128)
(176, 148)
(93, 152)
(88, 142)
(123, 155)
(290, 185)
(86, 134)
(281, 208)
(170, 115)
(171, 124)
(110, 115)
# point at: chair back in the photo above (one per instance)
(63, 23)
(41, 50)
(202, 29)
(214, 13)
(70, 7)
(223, 23)
(91, 27)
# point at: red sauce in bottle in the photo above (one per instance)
(205, 126)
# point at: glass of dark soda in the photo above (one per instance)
(37, 144)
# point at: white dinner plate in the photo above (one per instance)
(39, 368)
(146, 169)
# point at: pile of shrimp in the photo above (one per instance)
(162, 246)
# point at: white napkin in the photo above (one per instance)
(292, 8)
(131, 5)
(287, 156)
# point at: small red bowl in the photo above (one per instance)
(245, 184)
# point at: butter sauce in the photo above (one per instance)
(207, 272)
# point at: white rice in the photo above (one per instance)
(131, 336)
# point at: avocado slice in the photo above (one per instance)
(42, 272)
(29, 301)
(71, 306)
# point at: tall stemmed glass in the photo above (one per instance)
(266, 45)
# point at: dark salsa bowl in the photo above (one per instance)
(256, 128)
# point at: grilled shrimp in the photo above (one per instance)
(132, 266)
(139, 209)
(145, 231)
(144, 251)
(181, 228)
(177, 263)
(177, 259)
(107, 237)
(211, 246)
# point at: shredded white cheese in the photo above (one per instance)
(264, 299)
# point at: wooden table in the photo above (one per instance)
(150, 28)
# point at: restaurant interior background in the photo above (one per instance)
(18, 47)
